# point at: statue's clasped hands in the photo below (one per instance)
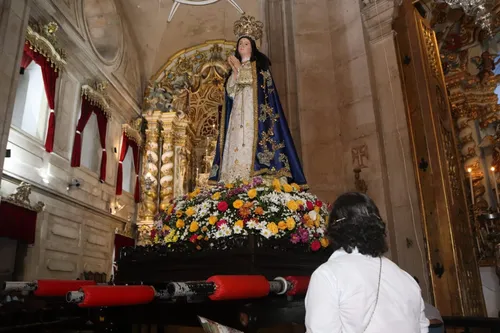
(234, 63)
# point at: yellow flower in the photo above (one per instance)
(252, 193)
(179, 224)
(229, 186)
(239, 223)
(282, 225)
(245, 182)
(276, 182)
(193, 227)
(204, 229)
(272, 227)
(190, 211)
(238, 204)
(292, 205)
(179, 213)
(296, 186)
(316, 209)
(324, 242)
(200, 237)
(165, 227)
(287, 188)
(212, 220)
(216, 196)
(170, 209)
(290, 223)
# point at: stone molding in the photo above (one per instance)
(378, 16)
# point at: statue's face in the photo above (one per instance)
(245, 48)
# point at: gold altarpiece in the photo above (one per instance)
(440, 174)
(182, 110)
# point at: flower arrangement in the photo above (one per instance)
(275, 210)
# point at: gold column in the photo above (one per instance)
(182, 150)
(149, 206)
(167, 160)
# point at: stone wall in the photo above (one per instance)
(75, 233)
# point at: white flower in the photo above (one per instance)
(237, 229)
(219, 233)
(227, 231)
(266, 233)
(251, 224)
(313, 215)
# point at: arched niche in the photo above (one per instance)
(104, 28)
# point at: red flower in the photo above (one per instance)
(310, 205)
(319, 203)
(221, 223)
(153, 233)
(315, 245)
(193, 238)
(222, 206)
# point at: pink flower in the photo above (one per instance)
(315, 245)
(222, 206)
(221, 223)
(295, 239)
(310, 205)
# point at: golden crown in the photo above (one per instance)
(248, 26)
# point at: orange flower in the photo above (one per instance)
(193, 227)
(179, 224)
(272, 227)
(244, 212)
(229, 186)
(179, 213)
(190, 211)
(216, 196)
(248, 204)
(252, 193)
(296, 186)
(239, 223)
(292, 205)
(204, 229)
(290, 223)
(259, 211)
(282, 225)
(324, 242)
(212, 220)
(170, 209)
(287, 188)
(238, 204)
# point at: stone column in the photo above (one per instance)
(14, 15)
(149, 205)
(403, 206)
(167, 160)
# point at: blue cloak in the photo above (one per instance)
(274, 152)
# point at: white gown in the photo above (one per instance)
(238, 144)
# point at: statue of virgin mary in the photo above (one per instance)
(254, 138)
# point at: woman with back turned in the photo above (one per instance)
(358, 289)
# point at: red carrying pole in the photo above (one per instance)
(299, 284)
(230, 287)
(49, 288)
(95, 296)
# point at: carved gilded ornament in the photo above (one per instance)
(97, 94)
(21, 198)
(127, 230)
(42, 39)
(133, 130)
(185, 73)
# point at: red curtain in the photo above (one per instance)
(49, 75)
(135, 150)
(17, 223)
(87, 110)
(126, 143)
(122, 241)
(123, 153)
(102, 123)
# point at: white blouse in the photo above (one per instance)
(342, 293)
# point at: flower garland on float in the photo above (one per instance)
(276, 210)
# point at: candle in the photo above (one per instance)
(494, 176)
(469, 170)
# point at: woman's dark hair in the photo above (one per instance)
(355, 223)
(263, 62)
